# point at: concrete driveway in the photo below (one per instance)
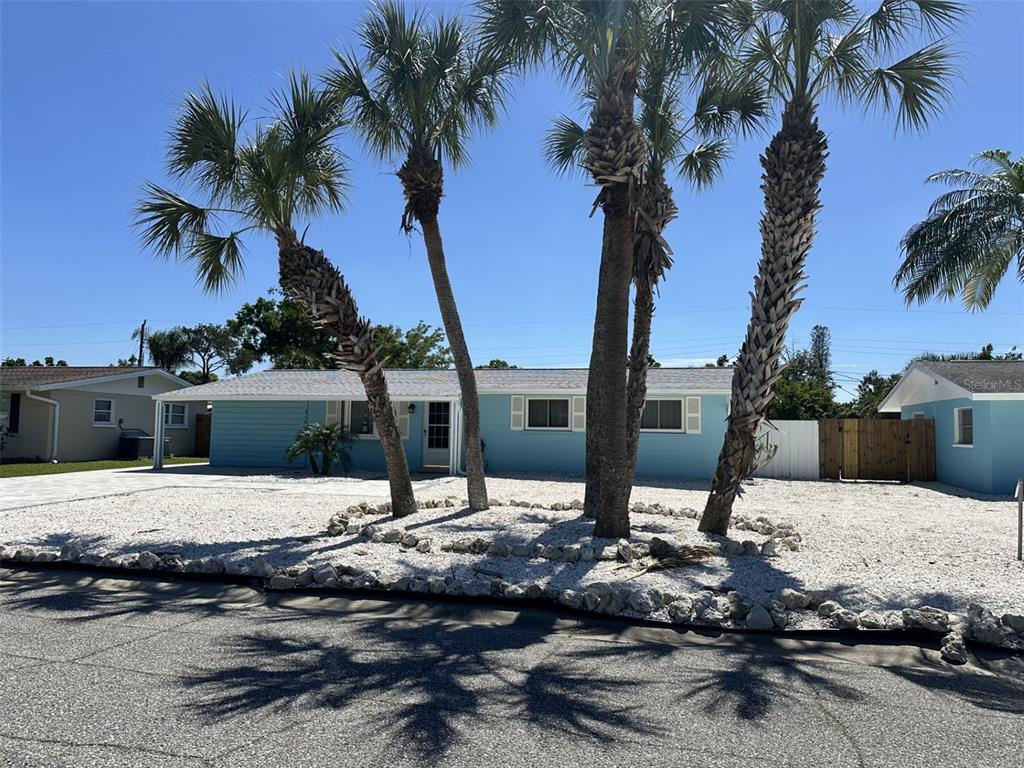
(47, 489)
(107, 672)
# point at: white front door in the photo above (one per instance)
(437, 436)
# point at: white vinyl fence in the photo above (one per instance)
(796, 455)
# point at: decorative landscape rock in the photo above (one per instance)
(927, 618)
(794, 599)
(828, 607)
(149, 562)
(844, 619)
(953, 648)
(759, 618)
(871, 620)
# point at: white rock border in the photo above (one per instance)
(729, 610)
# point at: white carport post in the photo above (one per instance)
(158, 436)
(455, 434)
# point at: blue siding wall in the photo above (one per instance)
(255, 434)
(1007, 444)
(672, 455)
(964, 467)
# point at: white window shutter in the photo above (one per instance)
(518, 413)
(401, 410)
(579, 414)
(693, 415)
(333, 412)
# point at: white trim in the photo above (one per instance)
(199, 396)
(55, 435)
(116, 377)
(113, 412)
(957, 442)
(526, 415)
(170, 424)
(998, 396)
(158, 436)
(665, 430)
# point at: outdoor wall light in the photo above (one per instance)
(412, 407)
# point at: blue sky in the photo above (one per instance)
(89, 90)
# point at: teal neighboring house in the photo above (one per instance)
(978, 409)
(532, 420)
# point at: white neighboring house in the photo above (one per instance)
(81, 413)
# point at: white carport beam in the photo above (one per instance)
(158, 436)
(55, 434)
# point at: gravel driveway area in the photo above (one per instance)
(876, 545)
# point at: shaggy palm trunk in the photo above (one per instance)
(616, 152)
(309, 279)
(422, 182)
(592, 494)
(652, 257)
(794, 164)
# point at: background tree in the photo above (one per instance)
(169, 349)
(871, 391)
(420, 347)
(47, 362)
(804, 52)
(972, 236)
(280, 330)
(419, 91)
(498, 363)
(287, 170)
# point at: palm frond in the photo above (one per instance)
(564, 148)
(916, 87)
(218, 260)
(702, 164)
(168, 222)
(202, 144)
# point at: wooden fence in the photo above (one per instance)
(202, 435)
(877, 449)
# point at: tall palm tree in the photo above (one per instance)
(419, 92)
(695, 146)
(284, 172)
(804, 51)
(972, 235)
(600, 48)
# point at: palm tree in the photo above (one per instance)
(804, 51)
(419, 92)
(286, 171)
(696, 146)
(972, 234)
(600, 48)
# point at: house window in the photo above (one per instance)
(918, 415)
(547, 414)
(963, 426)
(360, 418)
(662, 415)
(140, 382)
(9, 412)
(103, 413)
(175, 415)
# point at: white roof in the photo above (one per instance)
(438, 384)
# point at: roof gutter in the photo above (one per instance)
(56, 420)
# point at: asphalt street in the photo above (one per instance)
(109, 672)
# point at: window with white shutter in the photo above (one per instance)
(579, 414)
(518, 413)
(402, 417)
(335, 412)
(693, 415)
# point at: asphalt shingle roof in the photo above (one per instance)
(30, 376)
(407, 384)
(983, 376)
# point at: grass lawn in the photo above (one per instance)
(46, 468)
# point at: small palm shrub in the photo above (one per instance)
(324, 445)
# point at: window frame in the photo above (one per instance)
(957, 436)
(5, 413)
(169, 413)
(372, 434)
(112, 412)
(526, 414)
(670, 430)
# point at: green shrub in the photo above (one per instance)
(324, 445)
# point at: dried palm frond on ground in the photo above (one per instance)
(681, 557)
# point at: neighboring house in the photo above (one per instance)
(76, 413)
(978, 408)
(531, 420)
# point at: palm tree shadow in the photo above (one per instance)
(442, 678)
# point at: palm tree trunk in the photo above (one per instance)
(616, 152)
(592, 494)
(639, 363)
(309, 279)
(794, 164)
(609, 372)
(476, 484)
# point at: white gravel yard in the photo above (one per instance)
(876, 545)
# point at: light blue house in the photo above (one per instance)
(978, 408)
(531, 420)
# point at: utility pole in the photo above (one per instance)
(142, 341)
